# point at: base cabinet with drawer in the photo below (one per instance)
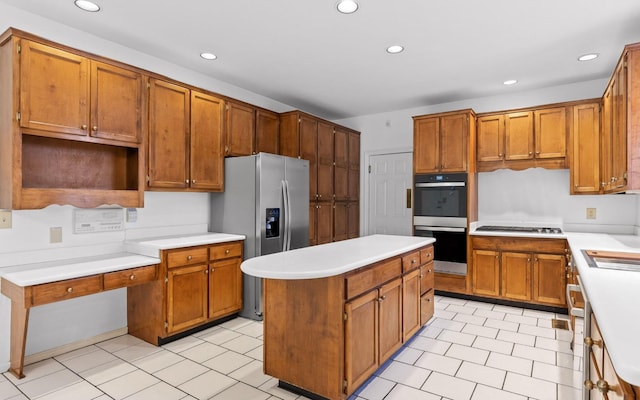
(356, 321)
(520, 269)
(601, 381)
(198, 285)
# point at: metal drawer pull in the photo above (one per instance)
(132, 277)
(69, 290)
(589, 342)
(227, 251)
(189, 258)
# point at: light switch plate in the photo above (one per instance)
(5, 219)
(591, 213)
(55, 234)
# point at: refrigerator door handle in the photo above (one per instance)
(285, 205)
(287, 215)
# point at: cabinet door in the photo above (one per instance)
(54, 90)
(324, 223)
(186, 297)
(390, 326)
(354, 166)
(490, 138)
(340, 221)
(486, 272)
(518, 140)
(240, 127)
(118, 103)
(225, 287)
(454, 131)
(426, 145)
(308, 129)
(550, 132)
(325, 162)
(410, 304)
(267, 131)
(361, 339)
(353, 220)
(341, 164)
(207, 160)
(516, 275)
(427, 307)
(606, 140)
(585, 158)
(313, 217)
(169, 108)
(619, 129)
(550, 279)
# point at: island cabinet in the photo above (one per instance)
(198, 285)
(185, 138)
(520, 269)
(441, 142)
(522, 139)
(88, 111)
(355, 322)
(602, 380)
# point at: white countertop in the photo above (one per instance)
(614, 297)
(332, 258)
(152, 246)
(52, 271)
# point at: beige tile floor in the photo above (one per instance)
(468, 351)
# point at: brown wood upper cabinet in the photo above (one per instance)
(66, 93)
(250, 130)
(441, 142)
(185, 138)
(522, 139)
(585, 154)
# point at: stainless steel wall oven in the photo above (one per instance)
(440, 211)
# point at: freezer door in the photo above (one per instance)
(270, 205)
(297, 177)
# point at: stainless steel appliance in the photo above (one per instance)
(440, 211)
(519, 229)
(266, 198)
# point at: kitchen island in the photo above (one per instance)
(334, 313)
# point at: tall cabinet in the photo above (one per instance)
(333, 153)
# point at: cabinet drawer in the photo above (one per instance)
(427, 307)
(411, 261)
(226, 250)
(194, 255)
(129, 277)
(426, 255)
(427, 278)
(371, 277)
(63, 290)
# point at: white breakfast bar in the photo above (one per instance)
(334, 313)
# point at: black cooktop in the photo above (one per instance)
(522, 229)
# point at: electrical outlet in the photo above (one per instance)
(55, 234)
(591, 213)
(5, 219)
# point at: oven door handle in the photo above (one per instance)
(440, 184)
(439, 229)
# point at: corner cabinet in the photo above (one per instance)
(441, 142)
(185, 138)
(526, 270)
(88, 112)
(197, 285)
(356, 322)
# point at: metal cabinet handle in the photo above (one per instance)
(95, 128)
(189, 258)
(132, 277)
(69, 290)
(589, 342)
(603, 386)
(84, 127)
(227, 251)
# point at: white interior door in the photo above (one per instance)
(390, 177)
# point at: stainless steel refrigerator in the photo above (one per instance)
(265, 198)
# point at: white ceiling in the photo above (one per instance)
(305, 54)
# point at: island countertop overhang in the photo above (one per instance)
(331, 259)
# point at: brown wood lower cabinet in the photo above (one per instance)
(197, 285)
(355, 322)
(520, 269)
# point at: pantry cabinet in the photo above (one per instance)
(526, 270)
(87, 111)
(197, 285)
(185, 138)
(441, 142)
(521, 139)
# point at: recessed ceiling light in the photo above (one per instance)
(588, 57)
(395, 49)
(208, 56)
(87, 5)
(510, 82)
(347, 6)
